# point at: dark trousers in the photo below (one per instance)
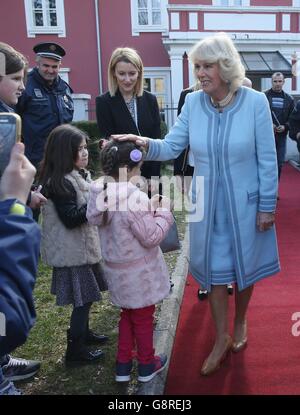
(280, 150)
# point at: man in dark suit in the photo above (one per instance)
(281, 105)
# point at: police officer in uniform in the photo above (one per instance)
(46, 101)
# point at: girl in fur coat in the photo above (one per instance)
(69, 243)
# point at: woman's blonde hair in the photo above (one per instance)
(127, 55)
(220, 49)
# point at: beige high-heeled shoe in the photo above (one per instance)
(240, 344)
(209, 367)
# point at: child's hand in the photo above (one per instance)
(160, 201)
(155, 202)
(166, 203)
(37, 198)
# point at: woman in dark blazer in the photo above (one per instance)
(181, 166)
(127, 107)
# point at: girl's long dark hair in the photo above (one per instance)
(60, 155)
(116, 154)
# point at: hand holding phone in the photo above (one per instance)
(10, 133)
(18, 176)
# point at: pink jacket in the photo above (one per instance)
(134, 266)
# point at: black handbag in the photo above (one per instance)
(171, 241)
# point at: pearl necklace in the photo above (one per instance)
(225, 101)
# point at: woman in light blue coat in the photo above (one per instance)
(229, 130)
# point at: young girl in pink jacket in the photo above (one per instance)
(131, 228)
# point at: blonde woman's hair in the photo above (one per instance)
(220, 49)
(127, 55)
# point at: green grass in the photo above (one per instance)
(47, 342)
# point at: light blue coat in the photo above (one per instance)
(238, 145)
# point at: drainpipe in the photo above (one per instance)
(98, 46)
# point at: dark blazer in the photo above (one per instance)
(294, 122)
(113, 117)
(181, 166)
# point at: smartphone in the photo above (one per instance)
(10, 133)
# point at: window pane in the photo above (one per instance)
(159, 85)
(51, 4)
(147, 84)
(142, 3)
(224, 2)
(52, 19)
(161, 101)
(156, 4)
(143, 18)
(238, 2)
(156, 18)
(38, 19)
(37, 4)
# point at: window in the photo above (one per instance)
(149, 12)
(45, 16)
(149, 16)
(157, 82)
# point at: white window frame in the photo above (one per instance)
(156, 72)
(137, 28)
(231, 3)
(33, 30)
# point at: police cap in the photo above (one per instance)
(49, 50)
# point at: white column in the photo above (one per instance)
(176, 80)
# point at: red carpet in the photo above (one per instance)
(270, 365)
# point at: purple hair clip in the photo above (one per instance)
(136, 155)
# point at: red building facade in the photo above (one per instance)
(266, 32)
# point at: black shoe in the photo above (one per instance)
(77, 353)
(230, 289)
(94, 338)
(84, 357)
(18, 369)
(202, 295)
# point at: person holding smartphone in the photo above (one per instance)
(19, 236)
(13, 69)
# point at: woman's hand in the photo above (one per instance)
(140, 141)
(265, 220)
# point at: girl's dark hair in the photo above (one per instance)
(116, 154)
(60, 155)
(14, 60)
